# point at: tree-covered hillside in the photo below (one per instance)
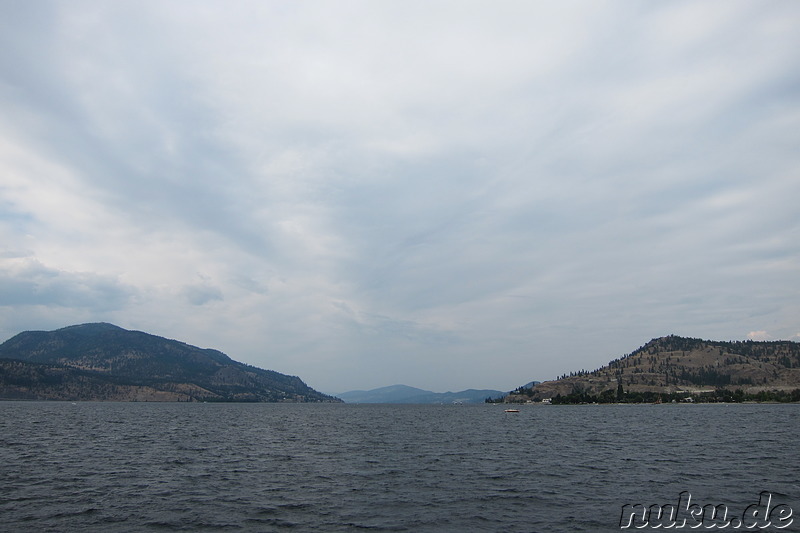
(106, 362)
(673, 364)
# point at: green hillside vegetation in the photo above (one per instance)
(677, 368)
(106, 362)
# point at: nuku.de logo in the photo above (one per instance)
(690, 515)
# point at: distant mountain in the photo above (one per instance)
(105, 362)
(673, 364)
(406, 394)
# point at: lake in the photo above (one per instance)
(109, 467)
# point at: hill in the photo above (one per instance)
(673, 364)
(406, 394)
(105, 362)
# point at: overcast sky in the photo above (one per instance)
(448, 195)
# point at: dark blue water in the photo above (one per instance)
(272, 467)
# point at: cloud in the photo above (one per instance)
(516, 189)
(26, 282)
(201, 294)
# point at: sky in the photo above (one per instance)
(445, 194)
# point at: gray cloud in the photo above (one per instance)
(201, 294)
(26, 282)
(453, 198)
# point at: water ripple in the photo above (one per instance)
(265, 467)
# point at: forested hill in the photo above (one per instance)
(671, 364)
(105, 362)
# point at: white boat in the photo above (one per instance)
(512, 410)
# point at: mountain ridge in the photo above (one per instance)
(407, 395)
(102, 361)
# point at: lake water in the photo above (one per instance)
(109, 467)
